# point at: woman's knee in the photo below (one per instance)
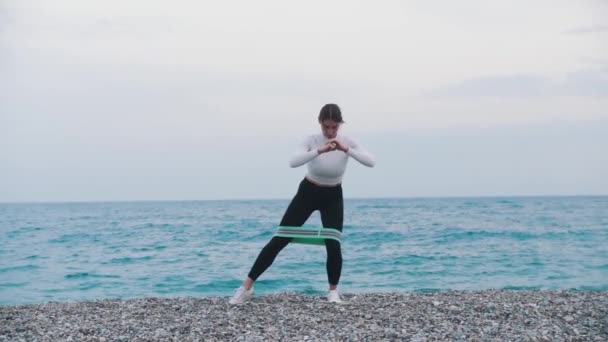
(277, 243)
(333, 248)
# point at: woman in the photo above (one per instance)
(327, 155)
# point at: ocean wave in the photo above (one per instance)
(19, 268)
(85, 275)
(128, 260)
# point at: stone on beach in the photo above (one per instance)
(451, 315)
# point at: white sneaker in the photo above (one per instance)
(241, 295)
(333, 297)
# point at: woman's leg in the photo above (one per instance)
(332, 216)
(299, 210)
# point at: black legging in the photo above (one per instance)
(310, 197)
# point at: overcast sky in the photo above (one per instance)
(183, 100)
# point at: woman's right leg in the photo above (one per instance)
(298, 211)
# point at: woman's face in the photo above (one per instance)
(329, 128)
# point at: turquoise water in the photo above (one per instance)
(78, 251)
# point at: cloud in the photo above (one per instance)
(496, 86)
(5, 18)
(588, 29)
(586, 83)
(589, 82)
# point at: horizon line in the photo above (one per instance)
(287, 199)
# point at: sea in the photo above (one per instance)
(84, 251)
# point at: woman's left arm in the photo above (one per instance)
(358, 153)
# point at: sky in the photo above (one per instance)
(194, 100)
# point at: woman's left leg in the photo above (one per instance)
(332, 216)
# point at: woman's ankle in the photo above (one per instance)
(248, 283)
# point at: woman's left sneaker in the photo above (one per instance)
(333, 297)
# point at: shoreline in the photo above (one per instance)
(534, 315)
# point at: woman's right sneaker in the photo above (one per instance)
(241, 295)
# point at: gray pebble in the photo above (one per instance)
(452, 315)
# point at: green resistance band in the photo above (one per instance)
(308, 234)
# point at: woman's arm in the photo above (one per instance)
(359, 153)
(306, 152)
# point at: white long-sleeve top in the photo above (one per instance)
(328, 168)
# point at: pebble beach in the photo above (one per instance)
(489, 315)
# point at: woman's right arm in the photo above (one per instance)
(306, 152)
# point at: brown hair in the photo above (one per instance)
(331, 111)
